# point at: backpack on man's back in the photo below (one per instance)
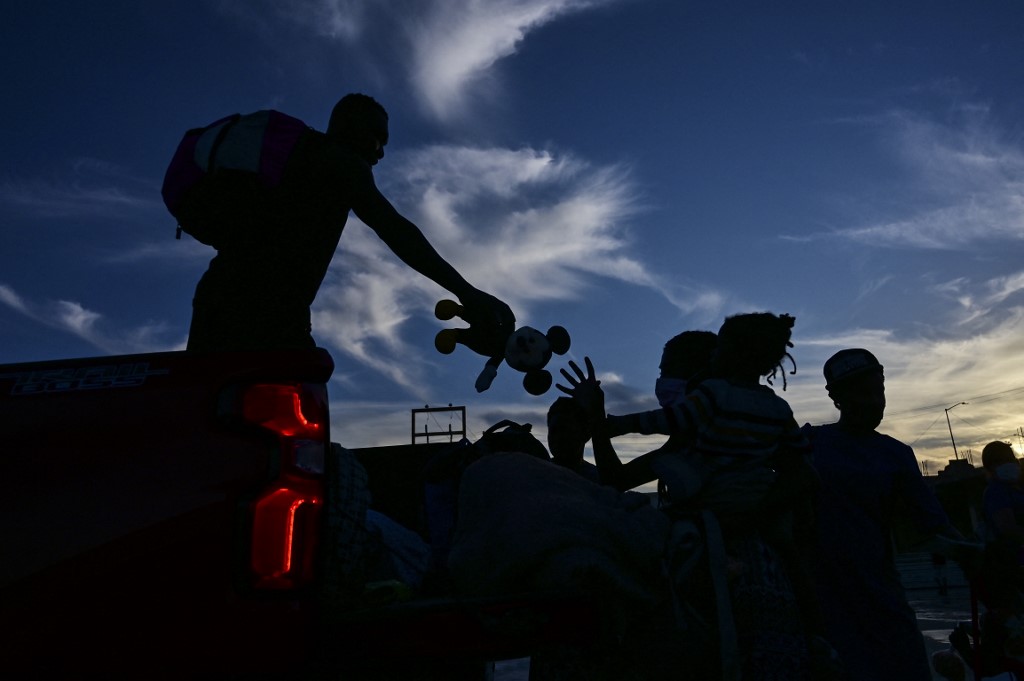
(219, 176)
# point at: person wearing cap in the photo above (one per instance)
(865, 476)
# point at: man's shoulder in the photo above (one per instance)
(316, 147)
(889, 442)
(830, 437)
(875, 439)
(819, 430)
(319, 164)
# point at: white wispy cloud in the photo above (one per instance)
(963, 184)
(447, 48)
(1001, 288)
(458, 41)
(10, 298)
(55, 200)
(344, 19)
(997, 214)
(169, 249)
(85, 187)
(530, 223)
(871, 286)
(981, 300)
(91, 326)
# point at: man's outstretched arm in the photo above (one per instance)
(410, 245)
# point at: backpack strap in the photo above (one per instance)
(727, 641)
(697, 536)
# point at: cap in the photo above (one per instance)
(847, 363)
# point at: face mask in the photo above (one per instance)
(1008, 472)
(670, 390)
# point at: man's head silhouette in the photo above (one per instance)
(360, 122)
(855, 380)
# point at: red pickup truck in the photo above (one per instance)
(163, 516)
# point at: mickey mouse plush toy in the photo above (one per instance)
(526, 349)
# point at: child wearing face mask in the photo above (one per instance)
(731, 429)
(685, 362)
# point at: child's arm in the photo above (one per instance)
(587, 391)
(683, 418)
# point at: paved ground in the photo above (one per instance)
(512, 670)
(937, 615)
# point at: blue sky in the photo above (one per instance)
(625, 168)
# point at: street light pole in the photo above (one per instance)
(949, 425)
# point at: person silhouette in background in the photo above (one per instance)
(568, 433)
(731, 428)
(1000, 581)
(865, 477)
(1003, 500)
(257, 292)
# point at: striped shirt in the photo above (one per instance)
(724, 421)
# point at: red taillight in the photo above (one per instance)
(285, 528)
(286, 515)
(280, 408)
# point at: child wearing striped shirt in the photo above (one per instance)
(734, 427)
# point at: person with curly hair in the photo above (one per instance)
(738, 438)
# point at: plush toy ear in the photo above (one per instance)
(445, 340)
(447, 309)
(537, 382)
(559, 339)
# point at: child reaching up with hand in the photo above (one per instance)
(746, 459)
